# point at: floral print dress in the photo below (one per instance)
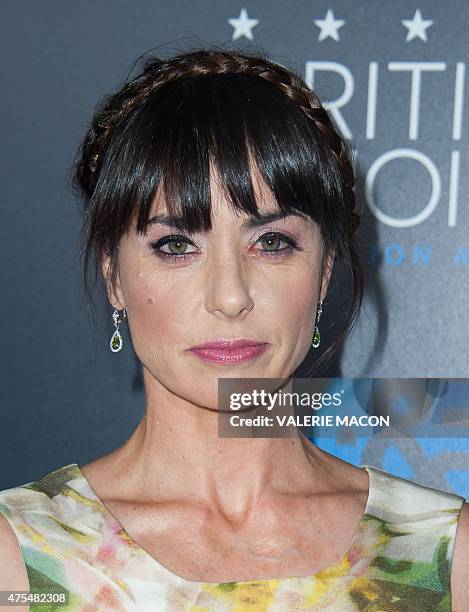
(399, 558)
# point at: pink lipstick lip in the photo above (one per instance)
(222, 344)
(230, 356)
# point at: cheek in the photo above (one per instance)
(159, 310)
(295, 293)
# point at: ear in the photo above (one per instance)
(114, 292)
(326, 277)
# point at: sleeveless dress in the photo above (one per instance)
(399, 558)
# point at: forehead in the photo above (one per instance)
(219, 197)
(198, 203)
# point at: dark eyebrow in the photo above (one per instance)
(263, 219)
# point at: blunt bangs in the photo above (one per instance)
(225, 122)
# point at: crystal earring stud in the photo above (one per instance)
(116, 342)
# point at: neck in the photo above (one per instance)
(176, 451)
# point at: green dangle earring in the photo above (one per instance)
(116, 339)
(316, 335)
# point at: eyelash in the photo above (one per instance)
(292, 244)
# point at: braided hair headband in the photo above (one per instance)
(158, 72)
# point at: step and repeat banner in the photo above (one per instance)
(394, 78)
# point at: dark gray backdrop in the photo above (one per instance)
(400, 90)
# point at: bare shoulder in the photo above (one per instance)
(13, 574)
(460, 564)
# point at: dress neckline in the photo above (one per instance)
(330, 569)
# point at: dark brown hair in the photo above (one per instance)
(180, 114)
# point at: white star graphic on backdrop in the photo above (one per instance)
(416, 26)
(243, 25)
(329, 26)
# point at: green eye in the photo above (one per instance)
(179, 248)
(176, 245)
(272, 241)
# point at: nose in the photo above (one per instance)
(228, 293)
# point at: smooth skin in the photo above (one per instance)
(224, 509)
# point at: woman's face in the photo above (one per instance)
(238, 280)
